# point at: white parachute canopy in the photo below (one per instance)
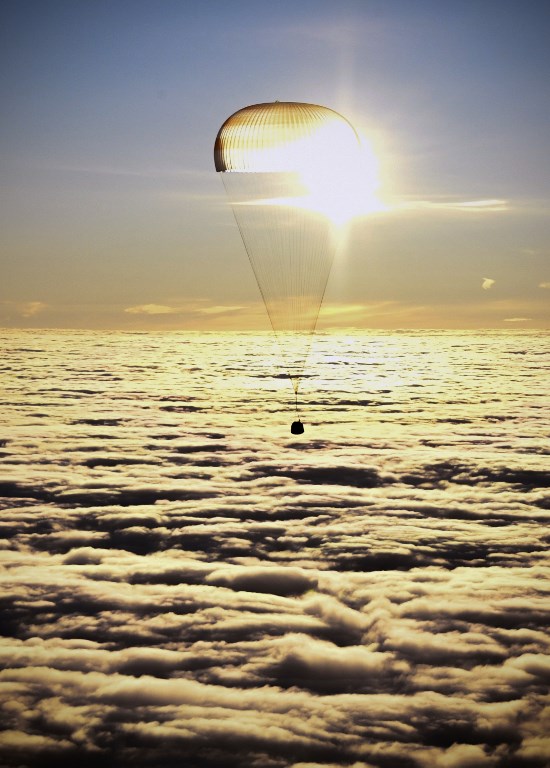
(285, 167)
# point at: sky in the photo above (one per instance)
(112, 214)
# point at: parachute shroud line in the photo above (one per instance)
(283, 164)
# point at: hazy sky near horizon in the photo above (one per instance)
(112, 214)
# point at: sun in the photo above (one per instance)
(341, 186)
(343, 190)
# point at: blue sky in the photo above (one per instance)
(111, 201)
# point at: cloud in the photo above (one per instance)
(517, 319)
(277, 581)
(152, 309)
(545, 284)
(221, 309)
(490, 205)
(487, 283)
(323, 667)
(482, 205)
(31, 308)
(131, 172)
(26, 309)
(199, 314)
(180, 575)
(25, 744)
(331, 309)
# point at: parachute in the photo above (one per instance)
(284, 166)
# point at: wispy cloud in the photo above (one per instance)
(172, 172)
(31, 308)
(152, 309)
(481, 205)
(487, 283)
(545, 284)
(333, 310)
(199, 313)
(490, 205)
(517, 319)
(192, 308)
(24, 309)
(221, 309)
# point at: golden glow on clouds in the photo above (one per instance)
(159, 515)
(203, 315)
(221, 309)
(152, 309)
(398, 314)
(194, 307)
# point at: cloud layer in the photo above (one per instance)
(182, 577)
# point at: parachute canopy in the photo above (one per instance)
(284, 137)
(285, 166)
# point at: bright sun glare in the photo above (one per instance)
(347, 191)
(336, 179)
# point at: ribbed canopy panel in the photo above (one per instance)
(280, 136)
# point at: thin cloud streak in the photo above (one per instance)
(152, 309)
(492, 205)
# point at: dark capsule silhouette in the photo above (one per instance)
(297, 428)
